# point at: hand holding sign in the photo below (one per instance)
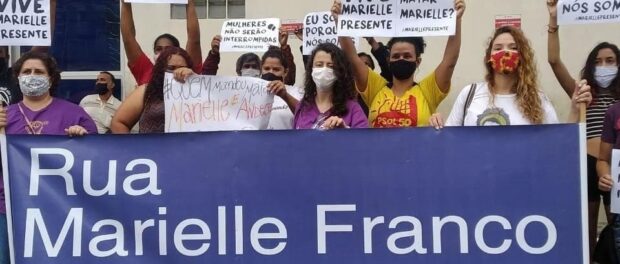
(552, 5)
(215, 44)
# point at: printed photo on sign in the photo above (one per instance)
(215, 103)
(250, 35)
(158, 1)
(588, 11)
(397, 18)
(25, 23)
(291, 26)
(320, 28)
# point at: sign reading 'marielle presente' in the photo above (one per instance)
(350, 196)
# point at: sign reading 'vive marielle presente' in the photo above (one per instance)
(25, 23)
(397, 18)
(212, 103)
(414, 195)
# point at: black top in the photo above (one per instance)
(9, 88)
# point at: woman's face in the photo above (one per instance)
(175, 62)
(504, 41)
(323, 59)
(33, 67)
(161, 44)
(403, 51)
(274, 66)
(606, 57)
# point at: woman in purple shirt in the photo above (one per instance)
(329, 100)
(39, 114)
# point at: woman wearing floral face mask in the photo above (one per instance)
(510, 95)
(329, 97)
(39, 113)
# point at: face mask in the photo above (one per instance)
(101, 88)
(324, 78)
(403, 69)
(505, 61)
(34, 85)
(250, 73)
(272, 77)
(604, 75)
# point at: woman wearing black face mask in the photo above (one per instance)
(407, 104)
(274, 68)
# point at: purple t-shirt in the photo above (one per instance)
(308, 116)
(51, 120)
(611, 126)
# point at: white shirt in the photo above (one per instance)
(99, 111)
(281, 114)
(504, 110)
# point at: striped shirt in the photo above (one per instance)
(595, 114)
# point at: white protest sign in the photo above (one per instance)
(615, 178)
(397, 18)
(158, 1)
(250, 35)
(320, 28)
(215, 103)
(588, 11)
(25, 23)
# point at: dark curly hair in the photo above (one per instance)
(417, 42)
(245, 58)
(155, 88)
(173, 39)
(50, 65)
(276, 53)
(588, 70)
(344, 87)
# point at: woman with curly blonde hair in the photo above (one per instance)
(510, 95)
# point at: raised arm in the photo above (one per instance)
(193, 35)
(128, 32)
(128, 114)
(360, 70)
(288, 57)
(553, 50)
(45, 49)
(212, 62)
(443, 72)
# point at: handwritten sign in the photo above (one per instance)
(158, 1)
(615, 177)
(397, 18)
(214, 103)
(320, 28)
(250, 35)
(588, 11)
(25, 23)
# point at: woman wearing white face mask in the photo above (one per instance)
(39, 114)
(601, 71)
(329, 100)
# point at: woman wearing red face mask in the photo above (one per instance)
(510, 95)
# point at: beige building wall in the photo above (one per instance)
(478, 26)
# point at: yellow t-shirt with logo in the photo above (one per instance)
(412, 109)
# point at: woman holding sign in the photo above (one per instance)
(38, 113)
(601, 72)
(146, 103)
(408, 103)
(329, 100)
(139, 64)
(275, 68)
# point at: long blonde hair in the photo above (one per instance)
(528, 97)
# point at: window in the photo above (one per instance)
(212, 9)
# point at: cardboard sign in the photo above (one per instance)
(320, 28)
(25, 23)
(588, 11)
(397, 18)
(508, 20)
(215, 103)
(291, 26)
(250, 35)
(158, 1)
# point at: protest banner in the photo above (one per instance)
(215, 103)
(588, 11)
(508, 20)
(25, 23)
(397, 18)
(250, 35)
(291, 26)
(158, 1)
(320, 28)
(418, 196)
(615, 178)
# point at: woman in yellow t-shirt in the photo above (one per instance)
(407, 103)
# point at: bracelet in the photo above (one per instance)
(552, 29)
